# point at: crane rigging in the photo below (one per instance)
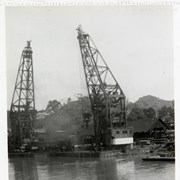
(22, 110)
(105, 94)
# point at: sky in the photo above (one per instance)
(135, 41)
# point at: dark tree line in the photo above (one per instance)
(166, 113)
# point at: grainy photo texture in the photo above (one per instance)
(90, 92)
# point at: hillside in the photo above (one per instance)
(152, 101)
(68, 117)
(143, 113)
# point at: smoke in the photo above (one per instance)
(64, 120)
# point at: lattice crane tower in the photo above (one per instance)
(22, 111)
(106, 96)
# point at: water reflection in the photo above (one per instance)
(24, 169)
(115, 169)
(124, 168)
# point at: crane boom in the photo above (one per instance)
(106, 96)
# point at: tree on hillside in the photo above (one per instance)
(166, 113)
(149, 112)
(84, 103)
(136, 114)
(53, 106)
(68, 100)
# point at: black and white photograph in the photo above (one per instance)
(90, 92)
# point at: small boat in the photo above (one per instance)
(158, 158)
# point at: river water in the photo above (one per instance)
(57, 168)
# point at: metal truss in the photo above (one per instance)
(22, 111)
(106, 96)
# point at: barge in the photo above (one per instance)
(21, 155)
(87, 154)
